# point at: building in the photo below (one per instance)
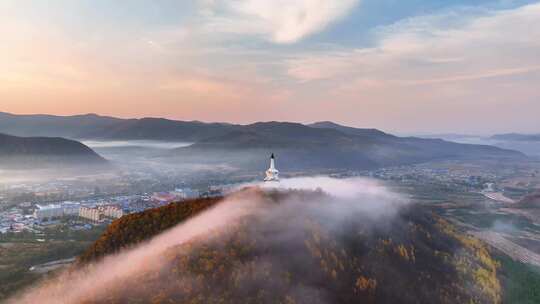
(272, 174)
(92, 214)
(70, 208)
(186, 193)
(100, 213)
(25, 204)
(48, 212)
(212, 191)
(52, 211)
(112, 212)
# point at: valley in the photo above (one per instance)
(479, 195)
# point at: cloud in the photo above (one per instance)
(431, 69)
(281, 21)
(340, 188)
(439, 48)
(214, 64)
(484, 75)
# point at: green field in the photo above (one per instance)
(19, 252)
(521, 282)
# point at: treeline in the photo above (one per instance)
(137, 227)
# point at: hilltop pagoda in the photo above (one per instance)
(272, 174)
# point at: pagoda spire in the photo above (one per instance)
(272, 174)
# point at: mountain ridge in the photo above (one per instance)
(321, 145)
(18, 152)
(299, 147)
(349, 130)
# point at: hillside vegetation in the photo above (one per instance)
(521, 282)
(295, 254)
(137, 227)
(31, 152)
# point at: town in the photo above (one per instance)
(86, 213)
(35, 206)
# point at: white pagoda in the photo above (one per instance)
(272, 174)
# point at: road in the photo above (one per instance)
(498, 196)
(509, 248)
(50, 266)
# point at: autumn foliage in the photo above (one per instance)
(135, 228)
(301, 257)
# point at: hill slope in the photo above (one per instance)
(293, 253)
(133, 229)
(302, 147)
(18, 152)
(349, 130)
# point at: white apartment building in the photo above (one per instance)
(47, 212)
(186, 193)
(92, 214)
(100, 213)
(71, 208)
(112, 212)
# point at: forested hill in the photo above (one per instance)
(296, 257)
(134, 228)
(45, 151)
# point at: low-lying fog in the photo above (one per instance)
(150, 156)
(125, 157)
(531, 148)
(135, 154)
(94, 144)
(48, 174)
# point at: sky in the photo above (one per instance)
(404, 66)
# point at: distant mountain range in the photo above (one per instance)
(34, 152)
(92, 126)
(320, 145)
(516, 137)
(349, 130)
(328, 145)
